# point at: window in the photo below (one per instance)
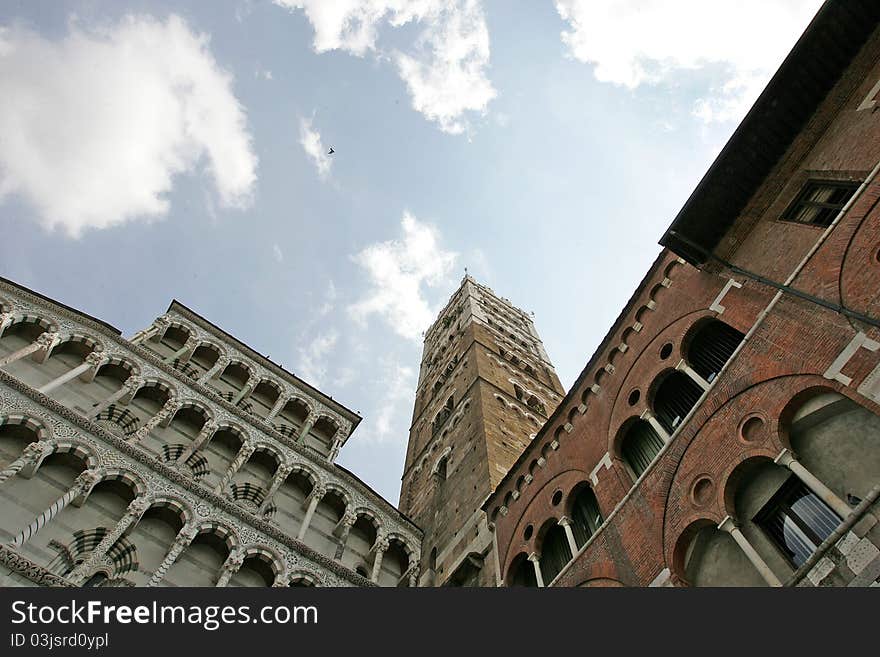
(711, 347)
(585, 516)
(820, 201)
(640, 446)
(555, 553)
(797, 521)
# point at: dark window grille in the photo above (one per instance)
(555, 553)
(797, 521)
(711, 347)
(820, 201)
(586, 516)
(641, 444)
(676, 396)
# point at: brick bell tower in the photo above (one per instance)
(486, 385)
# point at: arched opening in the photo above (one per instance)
(256, 570)
(17, 336)
(586, 518)
(674, 398)
(171, 342)
(220, 451)
(711, 557)
(203, 358)
(290, 501)
(84, 396)
(63, 358)
(231, 381)
(327, 515)
(183, 429)
(291, 419)
(301, 581)
(14, 437)
(201, 561)
(640, 446)
(153, 535)
(837, 440)
(710, 346)
(258, 471)
(361, 538)
(320, 436)
(555, 551)
(263, 398)
(521, 572)
(394, 564)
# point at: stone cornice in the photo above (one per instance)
(27, 568)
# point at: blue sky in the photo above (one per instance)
(153, 150)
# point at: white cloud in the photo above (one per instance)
(95, 126)
(310, 140)
(633, 42)
(312, 363)
(389, 423)
(445, 69)
(329, 300)
(397, 271)
(277, 253)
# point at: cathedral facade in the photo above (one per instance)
(179, 457)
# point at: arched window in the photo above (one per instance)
(585, 516)
(640, 446)
(675, 397)
(521, 572)
(555, 553)
(711, 347)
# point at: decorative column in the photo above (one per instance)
(307, 426)
(216, 369)
(230, 567)
(92, 361)
(246, 391)
(240, 459)
(157, 328)
(128, 389)
(536, 562)
(132, 515)
(276, 409)
(787, 459)
(82, 485)
(651, 419)
(314, 497)
(341, 531)
(336, 445)
(185, 352)
(380, 546)
(279, 478)
(184, 537)
(414, 575)
(165, 414)
(729, 526)
(30, 456)
(687, 369)
(44, 342)
(569, 534)
(209, 428)
(5, 321)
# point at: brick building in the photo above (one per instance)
(726, 430)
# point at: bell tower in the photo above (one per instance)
(486, 385)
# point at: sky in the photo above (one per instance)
(152, 151)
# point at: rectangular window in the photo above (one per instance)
(797, 521)
(820, 201)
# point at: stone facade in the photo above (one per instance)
(485, 386)
(178, 457)
(726, 431)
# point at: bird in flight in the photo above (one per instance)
(331, 151)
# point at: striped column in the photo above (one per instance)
(336, 445)
(276, 409)
(185, 352)
(216, 369)
(31, 455)
(159, 326)
(310, 422)
(132, 514)
(342, 530)
(129, 388)
(82, 484)
(314, 497)
(184, 537)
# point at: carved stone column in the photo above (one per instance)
(83, 484)
(185, 352)
(658, 428)
(307, 426)
(536, 562)
(128, 389)
(132, 515)
(280, 477)
(381, 546)
(687, 369)
(92, 361)
(230, 567)
(157, 328)
(184, 537)
(569, 534)
(276, 409)
(314, 498)
(208, 429)
(44, 342)
(216, 369)
(240, 459)
(165, 414)
(336, 445)
(787, 458)
(30, 456)
(341, 531)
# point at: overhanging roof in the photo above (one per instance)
(814, 65)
